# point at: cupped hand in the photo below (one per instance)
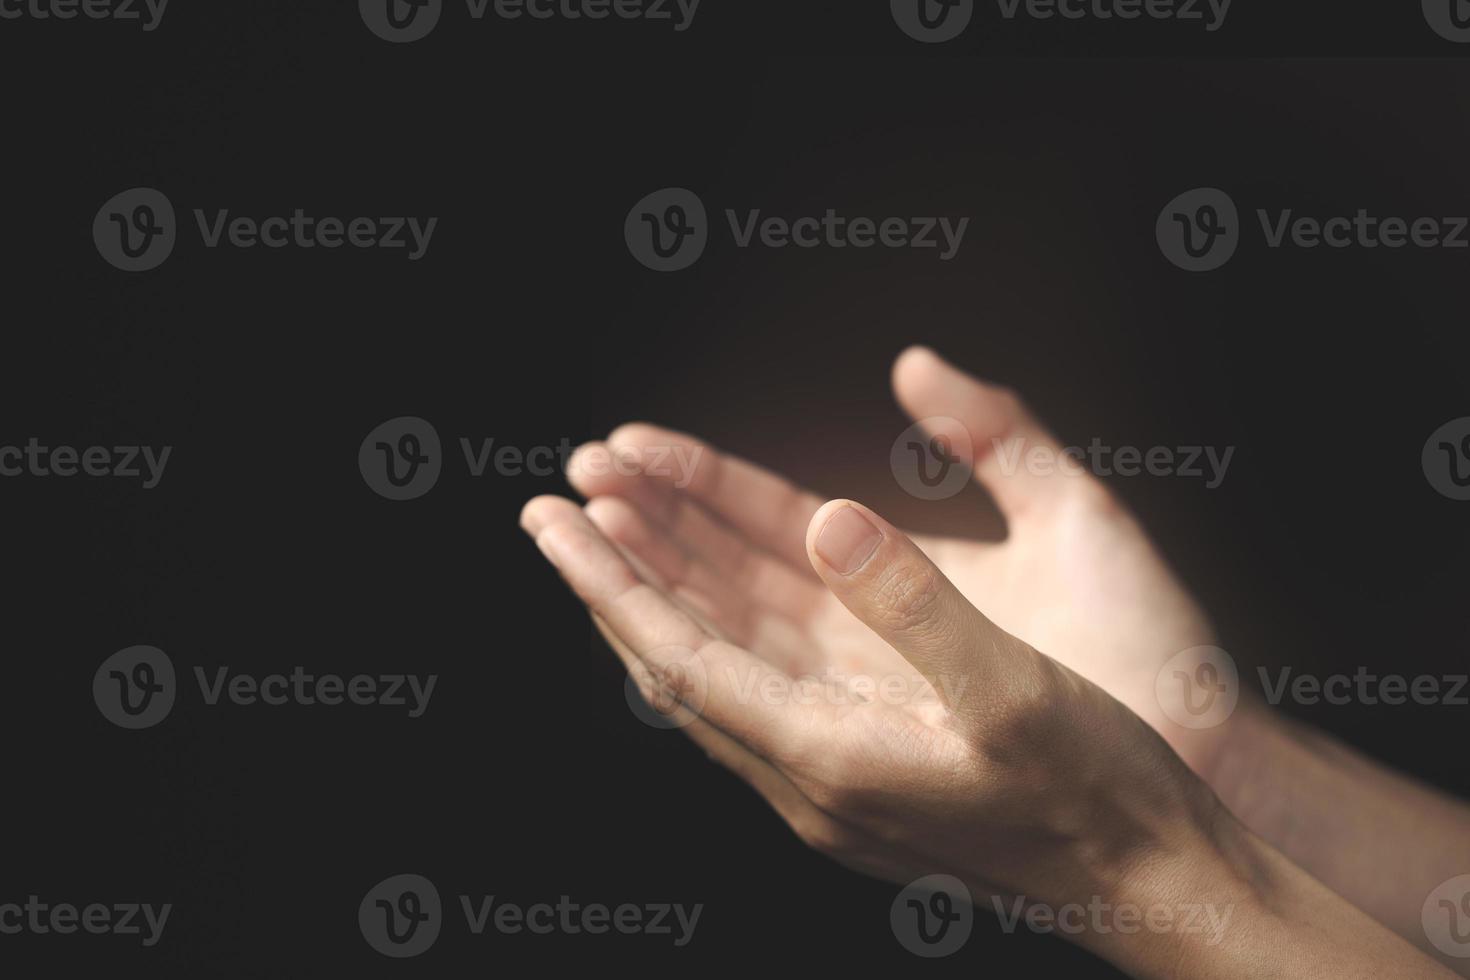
(1075, 576)
(913, 705)
(969, 751)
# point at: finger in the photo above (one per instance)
(1015, 458)
(768, 510)
(814, 826)
(596, 471)
(887, 582)
(702, 588)
(721, 682)
(540, 512)
(752, 768)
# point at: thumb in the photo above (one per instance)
(1016, 459)
(883, 578)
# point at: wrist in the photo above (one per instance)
(1226, 904)
(1228, 758)
(1254, 770)
(1192, 906)
(1161, 872)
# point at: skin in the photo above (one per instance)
(1020, 748)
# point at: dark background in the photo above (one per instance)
(529, 322)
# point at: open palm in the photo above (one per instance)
(1075, 577)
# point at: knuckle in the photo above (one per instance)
(853, 781)
(831, 785)
(1023, 724)
(833, 796)
(823, 834)
(904, 596)
(678, 679)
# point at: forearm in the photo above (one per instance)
(1380, 840)
(1255, 914)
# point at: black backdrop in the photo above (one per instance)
(529, 322)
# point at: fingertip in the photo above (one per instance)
(916, 355)
(614, 517)
(819, 521)
(917, 373)
(843, 536)
(637, 434)
(913, 362)
(588, 468)
(542, 511)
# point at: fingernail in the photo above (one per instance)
(847, 540)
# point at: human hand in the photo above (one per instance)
(1076, 575)
(1002, 767)
(992, 760)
